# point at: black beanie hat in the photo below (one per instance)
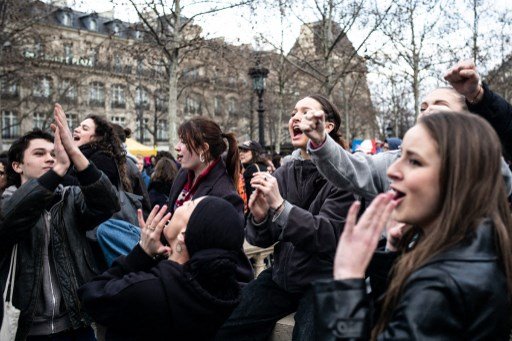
(214, 224)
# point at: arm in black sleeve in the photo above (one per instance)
(24, 208)
(498, 112)
(96, 199)
(342, 309)
(125, 292)
(316, 232)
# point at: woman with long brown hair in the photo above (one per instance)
(204, 171)
(453, 275)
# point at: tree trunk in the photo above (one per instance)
(173, 80)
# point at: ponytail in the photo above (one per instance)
(232, 158)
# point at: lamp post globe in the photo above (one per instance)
(258, 75)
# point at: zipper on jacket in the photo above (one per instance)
(47, 217)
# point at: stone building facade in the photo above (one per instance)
(96, 64)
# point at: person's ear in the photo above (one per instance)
(17, 167)
(329, 126)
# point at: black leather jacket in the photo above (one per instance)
(461, 294)
(71, 211)
(308, 229)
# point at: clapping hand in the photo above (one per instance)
(151, 231)
(313, 125)
(61, 157)
(79, 160)
(358, 241)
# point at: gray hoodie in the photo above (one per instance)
(365, 174)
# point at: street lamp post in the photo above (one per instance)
(258, 75)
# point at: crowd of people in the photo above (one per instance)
(409, 243)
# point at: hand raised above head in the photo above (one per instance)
(61, 157)
(65, 133)
(313, 125)
(464, 78)
(151, 231)
(79, 160)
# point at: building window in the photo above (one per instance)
(162, 133)
(43, 88)
(97, 94)
(161, 101)
(190, 73)
(9, 89)
(117, 64)
(10, 124)
(145, 132)
(192, 106)
(39, 120)
(68, 53)
(232, 106)
(68, 90)
(217, 105)
(66, 19)
(141, 98)
(72, 120)
(93, 25)
(118, 120)
(118, 99)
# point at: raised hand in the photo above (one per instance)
(79, 160)
(313, 125)
(151, 231)
(61, 157)
(358, 241)
(258, 206)
(464, 78)
(267, 185)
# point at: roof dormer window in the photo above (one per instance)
(93, 25)
(66, 19)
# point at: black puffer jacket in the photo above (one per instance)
(460, 294)
(139, 298)
(75, 210)
(308, 229)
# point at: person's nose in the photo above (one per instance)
(394, 172)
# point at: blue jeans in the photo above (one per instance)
(262, 304)
(116, 238)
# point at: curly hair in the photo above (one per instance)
(106, 140)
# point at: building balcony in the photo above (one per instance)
(96, 103)
(143, 106)
(118, 105)
(10, 95)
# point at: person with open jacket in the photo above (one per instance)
(48, 222)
